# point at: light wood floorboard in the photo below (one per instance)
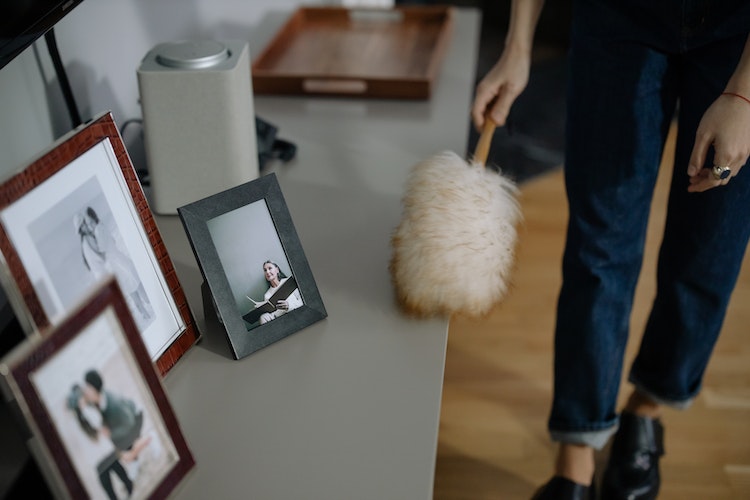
(493, 442)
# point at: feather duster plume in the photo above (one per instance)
(454, 248)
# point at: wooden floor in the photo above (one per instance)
(493, 442)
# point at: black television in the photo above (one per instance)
(23, 21)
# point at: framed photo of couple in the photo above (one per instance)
(255, 270)
(77, 216)
(99, 421)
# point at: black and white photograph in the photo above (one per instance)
(80, 245)
(77, 216)
(98, 407)
(253, 263)
(257, 271)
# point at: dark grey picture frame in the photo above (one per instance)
(196, 217)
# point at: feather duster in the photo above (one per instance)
(454, 248)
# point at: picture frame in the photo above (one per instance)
(97, 416)
(77, 215)
(234, 234)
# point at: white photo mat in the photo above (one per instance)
(56, 199)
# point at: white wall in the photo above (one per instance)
(25, 125)
(102, 43)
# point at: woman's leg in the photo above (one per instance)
(704, 242)
(123, 475)
(620, 102)
(705, 239)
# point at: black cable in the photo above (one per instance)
(130, 121)
(62, 77)
(142, 173)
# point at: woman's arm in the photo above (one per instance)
(294, 300)
(725, 126)
(509, 76)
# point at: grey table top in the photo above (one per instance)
(349, 407)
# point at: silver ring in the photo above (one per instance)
(721, 172)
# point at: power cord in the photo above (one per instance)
(62, 78)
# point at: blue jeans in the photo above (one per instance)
(632, 65)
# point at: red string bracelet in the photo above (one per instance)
(737, 95)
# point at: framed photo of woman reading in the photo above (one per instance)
(253, 264)
(99, 421)
(76, 216)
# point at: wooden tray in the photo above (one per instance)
(391, 53)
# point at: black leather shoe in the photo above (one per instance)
(632, 472)
(560, 488)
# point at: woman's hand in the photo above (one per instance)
(725, 126)
(282, 304)
(498, 90)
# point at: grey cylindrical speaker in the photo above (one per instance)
(198, 119)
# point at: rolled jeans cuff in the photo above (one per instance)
(683, 404)
(594, 439)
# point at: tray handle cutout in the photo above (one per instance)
(326, 86)
(376, 15)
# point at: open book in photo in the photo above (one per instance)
(268, 306)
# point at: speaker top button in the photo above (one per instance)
(198, 54)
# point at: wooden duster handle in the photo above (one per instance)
(485, 139)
